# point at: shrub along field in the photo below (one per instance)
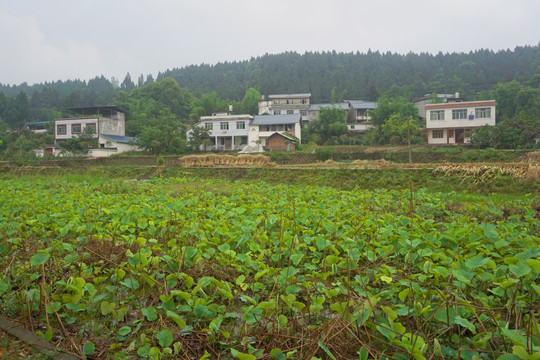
(210, 269)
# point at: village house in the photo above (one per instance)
(262, 127)
(227, 131)
(359, 119)
(285, 104)
(106, 123)
(453, 122)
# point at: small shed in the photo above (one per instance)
(281, 142)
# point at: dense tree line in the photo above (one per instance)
(361, 75)
(179, 97)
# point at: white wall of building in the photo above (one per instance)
(70, 124)
(448, 122)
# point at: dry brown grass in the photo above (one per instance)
(533, 157)
(213, 160)
(480, 173)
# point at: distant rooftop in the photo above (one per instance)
(343, 106)
(276, 119)
(120, 139)
(361, 104)
(88, 110)
(289, 96)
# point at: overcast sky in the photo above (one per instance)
(49, 40)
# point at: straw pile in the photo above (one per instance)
(212, 160)
(533, 157)
(480, 173)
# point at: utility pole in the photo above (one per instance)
(409, 139)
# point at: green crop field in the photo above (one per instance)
(213, 269)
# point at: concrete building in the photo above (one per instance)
(285, 104)
(95, 120)
(454, 122)
(106, 123)
(359, 119)
(227, 132)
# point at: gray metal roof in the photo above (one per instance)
(276, 119)
(120, 139)
(361, 104)
(343, 106)
(283, 96)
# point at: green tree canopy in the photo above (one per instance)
(164, 134)
(387, 106)
(330, 124)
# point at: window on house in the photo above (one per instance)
(459, 114)
(61, 129)
(436, 115)
(303, 101)
(352, 127)
(482, 112)
(276, 102)
(437, 134)
(303, 112)
(451, 133)
(240, 125)
(277, 112)
(76, 128)
(224, 126)
(290, 112)
(290, 101)
(91, 128)
(209, 126)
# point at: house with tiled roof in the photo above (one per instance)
(454, 122)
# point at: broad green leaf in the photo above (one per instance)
(124, 330)
(176, 318)
(277, 354)
(517, 339)
(520, 269)
(237, 354)
(165, 338)
(88, 348)
(150, 313)
(282, 321)
(522, 353)
(107, 307)
(39, 258)
(3, 286)
(362, 353)
(465, 323)
(534, 264)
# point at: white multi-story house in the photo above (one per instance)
(285, 104)
(454, 122)
(95, 120)
(227, 132)
(106, 123)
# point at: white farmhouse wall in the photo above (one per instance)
(68, 124)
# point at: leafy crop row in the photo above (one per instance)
(170, 268)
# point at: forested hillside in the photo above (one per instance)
(178, 97)
(363, 76)
(358, 75)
